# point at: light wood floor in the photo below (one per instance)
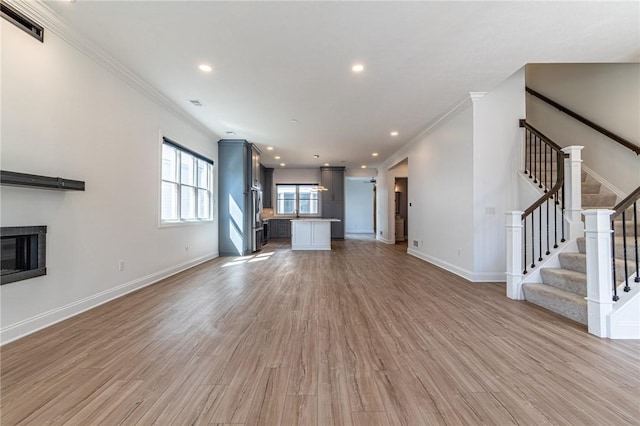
(362, 335)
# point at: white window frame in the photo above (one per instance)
(196, 185)
(297, 200)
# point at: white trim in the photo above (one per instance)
(47, 319)
(479, 277)
(464, 273)
(611, 187)
(51, 21)
(403, 152)
(384, 240)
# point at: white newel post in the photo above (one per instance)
(573, 190)
(514, 255)
(599, 276)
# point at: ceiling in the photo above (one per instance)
(274, 62)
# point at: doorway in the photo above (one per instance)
(401, 201)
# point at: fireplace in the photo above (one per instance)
(23, 253)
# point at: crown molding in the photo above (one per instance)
(51, 21)
(476, 96)
(403, 152)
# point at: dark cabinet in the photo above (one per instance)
(236, 177)
(267, 187)
(279, 228)
(332, 178)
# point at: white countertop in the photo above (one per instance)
(314, 219)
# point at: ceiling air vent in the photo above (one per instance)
(21, 21)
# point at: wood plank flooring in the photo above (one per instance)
(362, 335)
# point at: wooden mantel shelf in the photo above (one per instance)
(37, 181)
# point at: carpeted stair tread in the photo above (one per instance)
(561, 302)
(598, 200)
(617, 225)
(578, 262)
(591, 187)
(564, 279)
(619, 248)
(573, 261)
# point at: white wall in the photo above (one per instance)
(65, 115)
(497, 146)
(609, 95)
(462, 179)
(441, 196)
(358, 206)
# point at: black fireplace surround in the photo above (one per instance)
(23, 253)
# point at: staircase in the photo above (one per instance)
(563, 290)
(547, 263)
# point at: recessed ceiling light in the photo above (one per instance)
(294, 121)
(277, 157)
(326, 164)
(205, 68)
(394, 133)
(230, 132)
(269, 148)
(282, 164)
(195, 102)
(316, 156)
(357, 68)
(363, 167)
(375, 154)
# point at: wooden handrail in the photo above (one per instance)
(622, 141)
(626, 203)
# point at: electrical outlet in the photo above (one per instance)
(381, 232)
(186, 247)
(459, 252)
(121, 265)
(415, 243)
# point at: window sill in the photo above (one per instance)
(184, 223)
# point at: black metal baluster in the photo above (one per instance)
(547, 177)
(555, 222)
(530, 153)
(548, 228)
(540, 232)
(524, 240)
(635, 236)
(535, 163)
(540, 171)
(533, 241)
(562, 214)
(613, 263)
(624, 252)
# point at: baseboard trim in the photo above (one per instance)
(384, 240)
(31, 325)
(626, 330)
(461, 272)
(467, 275)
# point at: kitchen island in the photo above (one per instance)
(311, 234)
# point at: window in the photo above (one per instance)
(301, 199)
(186, 184)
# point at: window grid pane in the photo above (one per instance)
(187, 202)
(302, 199)
(169, 169)
(169, 209)
(186, 188)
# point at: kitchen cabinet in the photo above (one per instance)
(267, 187)
(279, 228)
(238, 175)
(332, 178)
